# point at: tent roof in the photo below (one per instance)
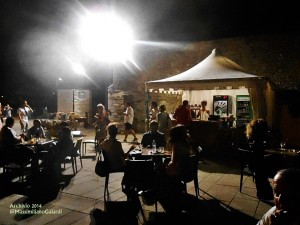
(214, 67)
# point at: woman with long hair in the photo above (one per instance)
(256, 132)
(101, 123)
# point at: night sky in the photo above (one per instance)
(37, 36)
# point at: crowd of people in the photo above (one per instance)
(11, 152)
(161, 132)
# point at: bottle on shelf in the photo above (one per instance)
(154, 146)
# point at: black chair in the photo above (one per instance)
(22, 169)
(191, 174)
(121, 170)
(132, 198)
(75, 152)
(19, 161)
(140, 175)
(140, 178)
(246, 160)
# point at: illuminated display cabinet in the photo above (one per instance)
(243, 110)
(222, 105)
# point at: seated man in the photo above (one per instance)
(36, 131)
(8, 136)
(9, 140)
(64, 145)
(153, 134)
(286, 199)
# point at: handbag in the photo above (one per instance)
(101, 168)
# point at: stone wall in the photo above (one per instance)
(170, 99)
(116, 105)
(75, 100)
(117, 100)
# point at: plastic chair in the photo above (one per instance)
(74, 154)
(245, 157)
(77, 153)
(107, 176)
(191, 174)
(20, 162)
(139, 178)
(20, 168)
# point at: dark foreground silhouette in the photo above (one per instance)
(198, 211)
(40, 189)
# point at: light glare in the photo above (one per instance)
(106, 37)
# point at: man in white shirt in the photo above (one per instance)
(128, 121)
(23, 116)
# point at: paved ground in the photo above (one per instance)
(71, 201)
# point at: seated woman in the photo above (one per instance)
(113, 150)
(256, 132)
(172, 194)
(60, 132)
(181, 150)
(63, 148)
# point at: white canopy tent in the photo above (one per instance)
(215, 75)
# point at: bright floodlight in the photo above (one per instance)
(106, 37)
(78, 69)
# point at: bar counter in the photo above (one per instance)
(213, 136)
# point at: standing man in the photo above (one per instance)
(128, 121)
(23, 116)
(183, 114)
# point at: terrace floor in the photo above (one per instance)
(221, 201)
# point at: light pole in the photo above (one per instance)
(57, 83)
(57, 80)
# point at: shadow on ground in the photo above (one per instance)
(226, 164)
(38, 190)
(207, 212)
(194, 211)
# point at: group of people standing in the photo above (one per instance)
(5, 112)
(23, 114)
(102, 121)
